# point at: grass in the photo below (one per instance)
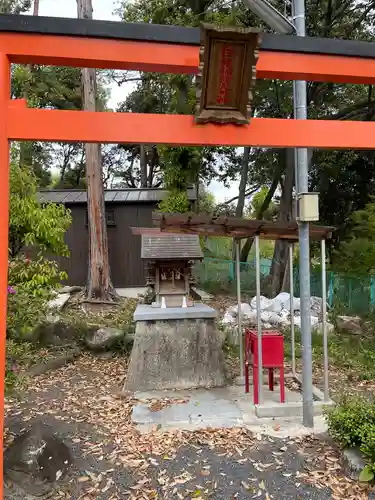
(120, 316)
(351, 359)
(21, 354)
(221, 248)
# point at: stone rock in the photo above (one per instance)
(352, 324)
(37, 455)
(228, 319)
(104, 338)
(353, 462)
(248, 314)
(316, 305)
(314, 321)
(57, 334)
(265, 304)
(59, 301)
(319, 328)
(70, 289)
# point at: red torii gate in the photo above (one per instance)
(167, 49)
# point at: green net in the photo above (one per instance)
(350, 295)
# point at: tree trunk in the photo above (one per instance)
(99, 285)
(36, 8)
(242, 191)
(143, 165)
(26, 157)
(280, 255)
(243, 183)
(267, 200)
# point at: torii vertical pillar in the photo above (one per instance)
(4, 222)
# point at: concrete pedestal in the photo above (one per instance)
(175, 348)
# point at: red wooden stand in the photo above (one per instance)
(272, 358)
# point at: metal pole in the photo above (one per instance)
(296, 150)
(291, 290)
(259, 322)
(304, 239)
(238, 277)
(324, 319)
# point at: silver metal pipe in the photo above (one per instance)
(324, 320)
(304, 238)
(291, 290)
(259, 322)
(239, 318)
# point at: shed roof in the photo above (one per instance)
(167, 246)
(206, 225)
(129, 195)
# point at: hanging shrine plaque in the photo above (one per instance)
(227, 74)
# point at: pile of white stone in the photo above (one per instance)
(275, 313)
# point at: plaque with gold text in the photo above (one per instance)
(227, 74)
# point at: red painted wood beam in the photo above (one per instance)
(168, 58)
(108, 127)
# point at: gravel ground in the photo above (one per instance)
(113, 461)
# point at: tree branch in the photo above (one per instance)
(248, 193)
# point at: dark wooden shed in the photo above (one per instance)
(125, 208)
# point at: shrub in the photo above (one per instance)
(17, 354)
(24, 312)
(352, 423)
(31, 286)
(30, 223)
(37, 277)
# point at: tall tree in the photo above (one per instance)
(99, 285)
(25, 147)
(326, 18)
(14, 6)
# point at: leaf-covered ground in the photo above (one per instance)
(113, 460)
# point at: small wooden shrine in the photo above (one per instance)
(169, 259)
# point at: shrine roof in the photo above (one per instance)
(167, 246)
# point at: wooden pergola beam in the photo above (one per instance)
(205, 225)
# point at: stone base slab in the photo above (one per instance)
(149, 313)
(288, 409)
(176, 354)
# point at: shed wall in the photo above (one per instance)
(127, 268)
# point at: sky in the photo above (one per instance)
(104, 10)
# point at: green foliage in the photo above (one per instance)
(30, 223)
(352, 423)
(257, 202)
(367, 475)
(35, 277)
(357, 255)
(206, 201)
(176, 202)
(31, 283)
(24, 313)
(181, 167)
(17, 355)
(348, 421)
(52, 87)
(121, 317)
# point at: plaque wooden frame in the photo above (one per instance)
(231, 53)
